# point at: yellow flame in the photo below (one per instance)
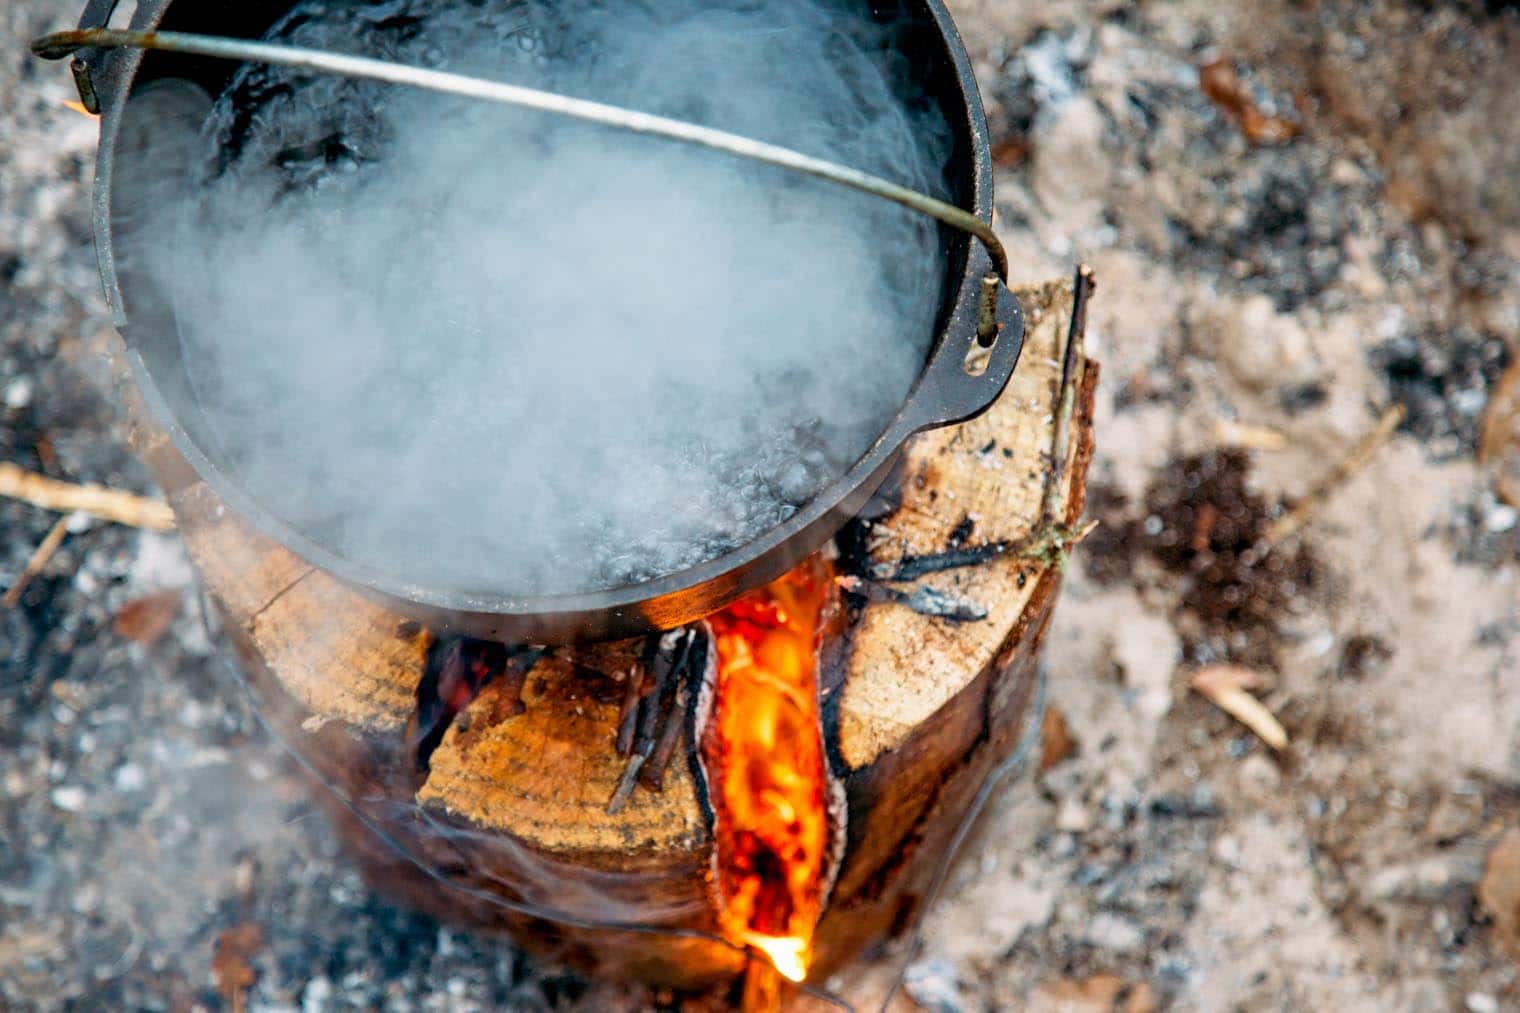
(788, 954)
(764, 754)
(79, 108)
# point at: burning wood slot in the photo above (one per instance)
(498, 818)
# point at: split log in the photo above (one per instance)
(505, 825)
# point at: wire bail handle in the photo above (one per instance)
(59, 45)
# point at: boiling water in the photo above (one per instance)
(505, 352)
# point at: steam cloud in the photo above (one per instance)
(508, 353)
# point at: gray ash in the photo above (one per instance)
(1278, 224)
(1443, 383)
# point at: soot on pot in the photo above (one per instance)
(505, 352)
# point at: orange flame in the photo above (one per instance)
(79, 108)
(763, 750)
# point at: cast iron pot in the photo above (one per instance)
(118, 82)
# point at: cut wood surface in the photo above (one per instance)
(917, 709)
(990, 471)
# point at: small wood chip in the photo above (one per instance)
(96, 500)
(1225, 687)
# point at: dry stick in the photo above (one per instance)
(625, 786)
(663, 667)
(1355, 461)
(1076, 336)
(628, 717)
(653, 774)
(649, 658)
(40, 556)
(925, 600)
(96, 500)
(913, 567)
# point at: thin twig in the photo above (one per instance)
(40, 556)
(665, 660)
(913, 567)
(625, 786)
(653, 775)
(925, 600)
(1359, 457)
(670, 659)
(628, 716)
(690, 673)
(96, 500)
(1076, 336)
(1049, 544)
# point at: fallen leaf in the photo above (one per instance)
(1225, 687)
(148, 618)
(230, 960)
(1056, 741)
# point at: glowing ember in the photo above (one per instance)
(763, 752)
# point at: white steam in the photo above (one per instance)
(503, 352)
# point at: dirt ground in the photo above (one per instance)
(1300, 216)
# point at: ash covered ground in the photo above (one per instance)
(1282, 256)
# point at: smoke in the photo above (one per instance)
(505, 352)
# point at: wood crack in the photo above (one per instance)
(253, 620)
